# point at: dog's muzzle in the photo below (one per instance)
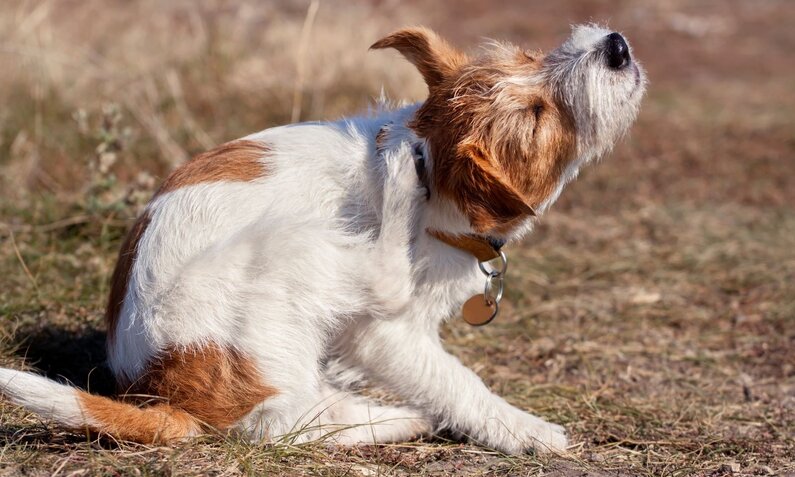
(617, 51)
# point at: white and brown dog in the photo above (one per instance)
(269, 275)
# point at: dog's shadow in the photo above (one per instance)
(74, 356)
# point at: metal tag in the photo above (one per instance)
(477, 311)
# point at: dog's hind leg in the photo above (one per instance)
(391, 270)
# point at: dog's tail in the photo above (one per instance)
(79, 410)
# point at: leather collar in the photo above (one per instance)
(484, 248)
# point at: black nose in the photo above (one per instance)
(617, 51)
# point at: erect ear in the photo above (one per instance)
(433, 56)
(486, 196)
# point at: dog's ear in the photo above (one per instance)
(484, 193)
(433, 57)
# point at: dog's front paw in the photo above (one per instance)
(527, 433)
(542, 437)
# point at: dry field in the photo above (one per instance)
(653, 312)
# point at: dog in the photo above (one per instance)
(267, 278)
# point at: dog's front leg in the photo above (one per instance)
(390, 269)
(408, 358)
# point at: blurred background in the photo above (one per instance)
(653, 311)
(184, 75)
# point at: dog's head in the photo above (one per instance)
(507, 128)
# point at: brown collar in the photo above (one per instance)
(484, 248)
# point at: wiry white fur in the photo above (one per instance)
(604, 101)
(45, 397)
(323, 273)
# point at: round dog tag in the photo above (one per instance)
(478, 312)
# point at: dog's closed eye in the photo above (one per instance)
(538, 108)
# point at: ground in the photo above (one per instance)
(652, 312)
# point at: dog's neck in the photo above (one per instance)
(482, 247)
(443, 221)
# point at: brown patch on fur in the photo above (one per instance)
(236, 161)
(499, 147)
(482, 191)
(216, 385)
(121, 274)
(160, 423)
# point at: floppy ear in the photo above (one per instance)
(433, 56)
(486, 196)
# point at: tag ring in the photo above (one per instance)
(503, 267)
(489, 287)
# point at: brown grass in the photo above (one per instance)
(653, 312)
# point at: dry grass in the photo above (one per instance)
(653, 312)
